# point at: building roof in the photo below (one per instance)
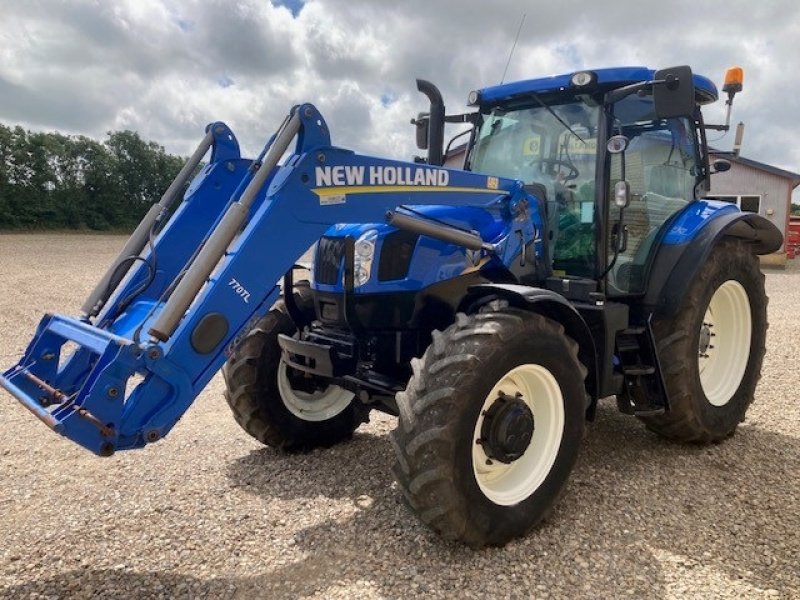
(749, 162)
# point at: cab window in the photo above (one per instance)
(661, 166)
(552, 143)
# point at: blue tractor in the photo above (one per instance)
(569, 257)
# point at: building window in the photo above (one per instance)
(750, 203)
(745, 203)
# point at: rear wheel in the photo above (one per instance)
(278, 405)
(712, 350)
(490, 425)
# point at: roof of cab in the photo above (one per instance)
(705, 90)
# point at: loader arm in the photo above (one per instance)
(160, 335)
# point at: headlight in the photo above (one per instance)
(364, 253)
(473, 98)
(365, 249)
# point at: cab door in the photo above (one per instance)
(662, 167)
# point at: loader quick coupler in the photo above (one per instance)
(80, 395)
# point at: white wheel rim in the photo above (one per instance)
(508, 484)
(317, 406)
(724, 345)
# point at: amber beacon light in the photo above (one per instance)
(734, 77)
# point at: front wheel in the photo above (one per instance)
(279, 406)
(711, 351)
(490, 425)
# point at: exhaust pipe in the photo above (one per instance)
(435, 122)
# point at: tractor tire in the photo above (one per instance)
(505, 384)
(264, 403)
(722, 321)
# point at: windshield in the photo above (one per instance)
(553, 144)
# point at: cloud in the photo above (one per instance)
(167, 67)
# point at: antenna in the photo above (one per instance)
(513, 47)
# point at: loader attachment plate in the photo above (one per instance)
(73, 378)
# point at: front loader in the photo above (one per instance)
(489, 306)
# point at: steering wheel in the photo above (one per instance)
(555, 162)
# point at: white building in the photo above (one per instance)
(759, 188)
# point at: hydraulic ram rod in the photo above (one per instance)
(452, 235)
(136, 243)
(226, 230)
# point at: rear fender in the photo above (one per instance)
(548, 304)
(676, 264)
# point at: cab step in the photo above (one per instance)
(644, 393)
(633, 370)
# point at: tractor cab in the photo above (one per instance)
(573, 139)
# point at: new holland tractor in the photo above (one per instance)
(570, 258)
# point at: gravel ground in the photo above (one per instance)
(208, 513)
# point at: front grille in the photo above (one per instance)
(396, 252)
(327, 264)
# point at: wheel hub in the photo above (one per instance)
(507, 428)
(706, 334)
(302, 382)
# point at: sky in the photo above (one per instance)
(166, 68)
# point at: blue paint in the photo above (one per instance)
(694, 217)
(449, 260)
(706, 90)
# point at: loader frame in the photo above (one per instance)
(147, 345)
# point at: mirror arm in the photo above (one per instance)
(618, 94)
(463, 118)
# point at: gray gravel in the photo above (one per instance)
(208, 513)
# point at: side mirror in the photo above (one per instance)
(674, 97)
(721, 165)
(422, 123)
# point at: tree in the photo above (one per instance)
(53, 181)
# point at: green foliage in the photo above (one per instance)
(795, 210)
(53, 181)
